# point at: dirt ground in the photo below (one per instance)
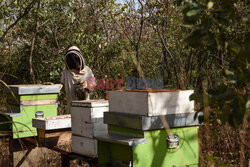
(37, 157)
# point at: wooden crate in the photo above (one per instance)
(84, 146)
(87, 117)
(151, 102)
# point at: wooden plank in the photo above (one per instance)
(52, 123)
(84, 146)
(33, 89)
(151, 103)
(90, 103)
(144, 123)
(32, 102)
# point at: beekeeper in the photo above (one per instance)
(74, 76)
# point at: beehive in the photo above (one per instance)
(26, 100)
(150, 128)
(87, 122)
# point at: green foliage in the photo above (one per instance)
(221, 27)
(206, 46)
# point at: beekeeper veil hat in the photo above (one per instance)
(75, 50)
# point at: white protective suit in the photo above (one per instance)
(75, 83)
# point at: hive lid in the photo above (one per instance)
(90, 103)
(33, 89)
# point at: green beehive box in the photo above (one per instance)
(153, 151)
(21, 108)
(141, 141)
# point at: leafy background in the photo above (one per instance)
(192, 44)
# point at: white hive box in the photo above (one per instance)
(87, 117)
(151, 102)
(87, 122)
(84, 146)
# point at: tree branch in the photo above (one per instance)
(26, 11)
(33, 43)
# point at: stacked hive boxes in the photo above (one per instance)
(87, 122)
(138, 129)
(22, 105)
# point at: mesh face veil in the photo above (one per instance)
(74, 59)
